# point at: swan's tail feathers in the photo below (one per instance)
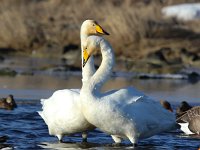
(42, 101)
(41, 114)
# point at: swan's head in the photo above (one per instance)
(91, 27)
(93, 44)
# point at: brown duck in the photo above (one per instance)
(8, 103)
(190, 121)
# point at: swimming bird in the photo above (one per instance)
(184, 106)
(123, 113)
(3, 139)
(190, 121)
(166, 105)
(61, 112)
(8, 103)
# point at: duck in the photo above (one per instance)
(61, 112)
(166, 105)
(123, 113)
(189, 120)
(181, 110)
(8, 103)
(3, 139)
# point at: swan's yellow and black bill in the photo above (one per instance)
(100, 30)
(86, 56)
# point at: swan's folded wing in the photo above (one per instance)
(125, 96)
(76, 90)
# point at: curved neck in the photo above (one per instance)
(89, 69)
(104, 71)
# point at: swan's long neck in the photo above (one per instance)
(89, 69)
(104, 71)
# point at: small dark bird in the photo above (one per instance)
(3, 139)
(8, 103)
(182, 109)
(166, 105)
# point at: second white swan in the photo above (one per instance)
(123, 113)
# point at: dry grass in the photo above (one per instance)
(32, 24)
(14, 32)
(28, 23)
(135, 25)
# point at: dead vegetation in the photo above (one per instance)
(137, 27)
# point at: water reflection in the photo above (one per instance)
(68, 145)
(42, 86)
(95, 146)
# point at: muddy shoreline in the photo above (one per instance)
(13, 65)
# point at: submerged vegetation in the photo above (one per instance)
(143, 39)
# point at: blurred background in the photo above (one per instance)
(40, 39)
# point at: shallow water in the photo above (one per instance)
(26, 129)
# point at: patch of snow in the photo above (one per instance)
(184, 12)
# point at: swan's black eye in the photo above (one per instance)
(93, 24)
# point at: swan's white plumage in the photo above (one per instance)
(123, 113)
(61, 112)
(65, 118)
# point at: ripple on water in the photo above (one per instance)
(26, 130)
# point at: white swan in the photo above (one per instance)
(123, 113)
(61, 112)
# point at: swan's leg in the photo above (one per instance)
(84, 137)
(60, 138)
(133, 140)
(116, 139)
